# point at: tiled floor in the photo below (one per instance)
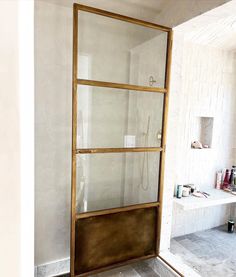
(142, 269)
(211, 253)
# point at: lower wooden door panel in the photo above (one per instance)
(105, 240)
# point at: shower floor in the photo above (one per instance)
(211, 253)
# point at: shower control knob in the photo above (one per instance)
(152, 81)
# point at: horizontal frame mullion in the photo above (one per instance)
(121, 17)
(117, 150)
(117, 210)
(119, 86)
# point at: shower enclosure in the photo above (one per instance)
(120, 98)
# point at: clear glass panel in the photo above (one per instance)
(118, 118)
(116, 180)
(116, 51)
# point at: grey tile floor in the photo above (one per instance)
(141, 269)
(211, 253)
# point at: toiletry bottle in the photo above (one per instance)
(230, 226)
(234, 169)
(231, 178)
(218, 179)
(179, 191)
(226, 180)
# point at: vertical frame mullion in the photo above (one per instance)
(164, 133)
(74, 138)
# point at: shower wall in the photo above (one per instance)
(208, 90)
(145, 116)
(202, 85)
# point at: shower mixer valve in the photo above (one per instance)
(152, 81)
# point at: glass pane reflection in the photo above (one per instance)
(118, 118)
(115, 180)
(116, 51)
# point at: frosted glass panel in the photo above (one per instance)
(115, 180)
(118, 118)
(121, 52)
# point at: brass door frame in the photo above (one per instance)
(75, 151)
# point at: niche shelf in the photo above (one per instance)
(203, 131)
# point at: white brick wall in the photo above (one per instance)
(202, 84)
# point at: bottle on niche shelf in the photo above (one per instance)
(226, 180)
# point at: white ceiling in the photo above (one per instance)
(135, 8)
(215, 28)
(166, 12)
(208, 22)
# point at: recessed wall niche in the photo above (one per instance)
(203, 131)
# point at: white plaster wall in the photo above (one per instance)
(10, 208)
(148, 59)
(53, 52)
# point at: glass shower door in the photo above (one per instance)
(119, 99)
